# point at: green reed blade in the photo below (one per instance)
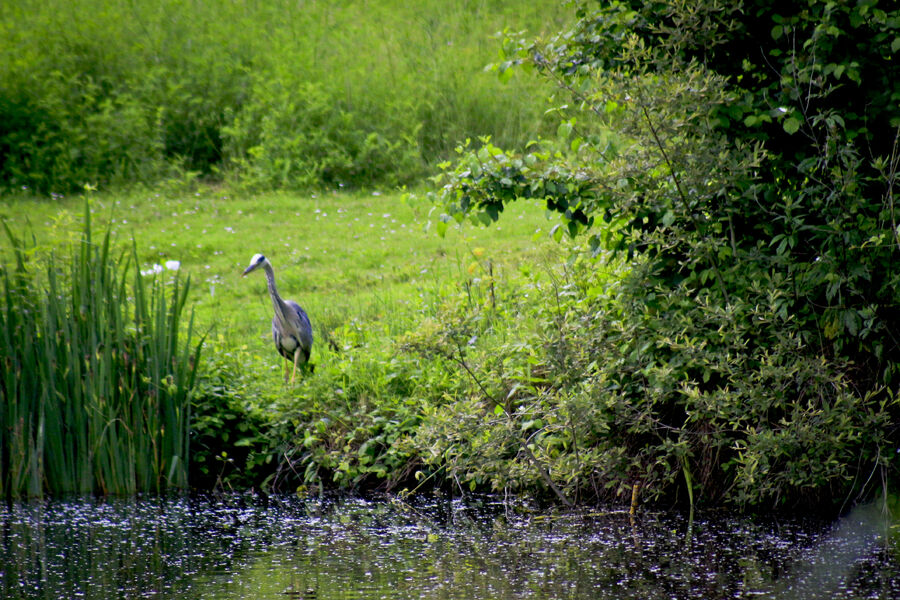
(94, 387)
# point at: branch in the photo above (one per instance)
(523, 443)
(687, 207)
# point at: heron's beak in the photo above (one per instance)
(248, 269)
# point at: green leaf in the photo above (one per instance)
(668, 218)
(791, 125)
(851, 322)
(596, 246)
(557, 232)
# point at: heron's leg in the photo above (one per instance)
(296, 360)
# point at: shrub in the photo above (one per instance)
(273, 94)
(743, 165)
(295, 133)
(231, 445)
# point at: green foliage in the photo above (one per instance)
(290, 133)
(231, 444)
(271, 94)
(367, 267)
(591, 394)
(350, 424)
(745, 164)
(99, 93)
(95, 379)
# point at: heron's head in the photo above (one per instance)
(257, 261)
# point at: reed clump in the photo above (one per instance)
(96, 373)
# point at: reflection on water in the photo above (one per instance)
(239, 547)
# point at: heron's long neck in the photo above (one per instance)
(277, 302)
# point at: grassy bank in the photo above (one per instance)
(379, 284)
(268, 94)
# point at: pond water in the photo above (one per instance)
(242, 547)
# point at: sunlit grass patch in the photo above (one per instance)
(342, 256)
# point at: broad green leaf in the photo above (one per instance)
(557, 232)
(668, 218)
(791, 125)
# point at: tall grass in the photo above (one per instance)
(283, 93)
(96, 374)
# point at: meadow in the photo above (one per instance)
(268, 95)
(202, 133)
(373, 255)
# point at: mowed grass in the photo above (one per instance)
(371, 261)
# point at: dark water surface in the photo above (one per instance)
(239, 547)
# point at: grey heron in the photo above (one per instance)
(291, 328)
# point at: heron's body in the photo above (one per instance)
(291, 329)
(287, 343)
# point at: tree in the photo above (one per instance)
(747, 155)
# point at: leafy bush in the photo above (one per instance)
(293, 132)
(344, 429)
(592, 394)
(230, 442)
(104, 93)
(744, 165)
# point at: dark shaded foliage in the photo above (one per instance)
(745, 157)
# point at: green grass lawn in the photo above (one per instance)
(372, 259)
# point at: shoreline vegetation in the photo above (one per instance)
(622, 263)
